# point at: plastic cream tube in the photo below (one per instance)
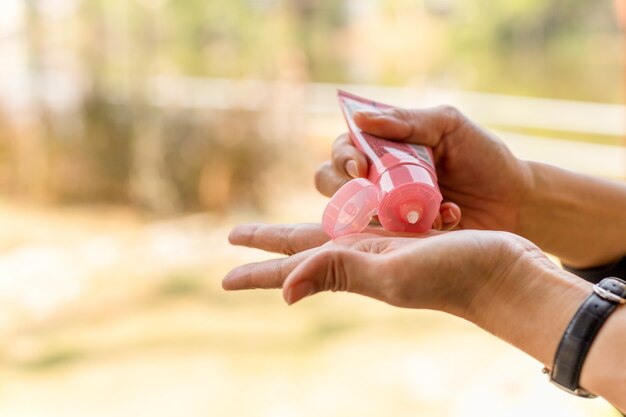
(401, 187)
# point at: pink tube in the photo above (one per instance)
(402, 187)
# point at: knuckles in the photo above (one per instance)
(288, 246)
(400, 113)
(453, 116)
(449, 110)
(336, 276)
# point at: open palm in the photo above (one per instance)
(405, 270)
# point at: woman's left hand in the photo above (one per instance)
(497, 280)
(439, 270)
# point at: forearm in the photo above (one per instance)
(532, 307)
(578, 218)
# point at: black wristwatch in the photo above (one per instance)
(580, 333)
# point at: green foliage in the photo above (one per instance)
(53, 358)
(181, 285)
(538, 48)
(117, 147)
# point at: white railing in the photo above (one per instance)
(318, 104)
(496, 109)
(502, 113)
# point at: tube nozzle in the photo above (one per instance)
(412, 217)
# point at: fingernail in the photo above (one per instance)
(352, 169)
(449, 217)
(300, 290)
(368, 113)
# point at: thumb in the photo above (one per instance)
(331, 270)
(388, 124)
(422, 126)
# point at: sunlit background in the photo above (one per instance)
(135, 133)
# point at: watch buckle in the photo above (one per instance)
(608, 295)
(579, 392)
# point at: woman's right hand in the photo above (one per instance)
(475, 169)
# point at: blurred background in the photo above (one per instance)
(135, 133)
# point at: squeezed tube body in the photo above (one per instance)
(404, 173)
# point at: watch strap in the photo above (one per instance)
(581, 332)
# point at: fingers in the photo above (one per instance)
(450, 215)
(386, 124)
(280, 238)
(438, 223)
(448, 218)
(266, 274)
(309, 272)
(348, 161)
(334, 270)
(422, 126)
(328, 180)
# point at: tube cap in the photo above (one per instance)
(351, 209)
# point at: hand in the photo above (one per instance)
(475, 169)
(497, 280)
(439, 270)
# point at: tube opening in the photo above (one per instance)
(412, 216)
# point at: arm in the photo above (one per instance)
(578, 218)
(499, 281)
(549, 298)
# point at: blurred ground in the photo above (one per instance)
(107, 313)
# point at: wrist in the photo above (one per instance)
(533, 202)
(464, 279)
(527, 300)
(581, 334)
(603, 369)
(494, 265)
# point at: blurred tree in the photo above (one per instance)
(116, 144)
(541, 48)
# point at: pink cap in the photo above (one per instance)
(410, 207)
(412, 203)
(351, 209)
